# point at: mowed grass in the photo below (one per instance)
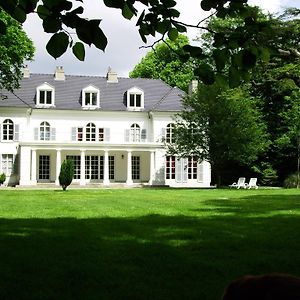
(143, 243)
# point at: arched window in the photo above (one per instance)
(8, 130)
(45, 131)
(135, 133)
(170, 133)
(90, 132)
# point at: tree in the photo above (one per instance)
(15, 49)
(164, 63)
(66, 174)
(220, 125)
(245, 45)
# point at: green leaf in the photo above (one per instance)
(220, 57)
(2, 27)
(127, 12)
(51, 24)
(162, 27)
(180, 28)
(206, 5)
(205, 73)
(264, 54)
(173, 34)
(43, 11)
(79, 51)
(19, 14)
(249, 59)
(58, 44)
(194, 51)
(100, 40)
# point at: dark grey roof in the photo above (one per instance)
(158, 95)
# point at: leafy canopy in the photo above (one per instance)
(15, 49)
(251, 40)
(164, 63)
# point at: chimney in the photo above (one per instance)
(26, 72)
(59, 73)
(193, 87)
(112, 77)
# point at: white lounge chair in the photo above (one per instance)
(240, 184)
(252, 183)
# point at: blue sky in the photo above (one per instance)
(123, 51)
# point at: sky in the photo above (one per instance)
(124, 50)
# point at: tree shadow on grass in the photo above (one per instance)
(148, 257)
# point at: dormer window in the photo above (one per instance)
(135, 99)
(45, 95)
(90, 97)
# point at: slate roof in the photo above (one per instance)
(158, 96)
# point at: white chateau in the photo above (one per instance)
(114, 129)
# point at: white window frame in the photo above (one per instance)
(91, 130)
(135, 133)
(8, 127)
(134, 91)
(7, 161)
(45, 88)
(90, 90)
(170, 133)
(45, 131)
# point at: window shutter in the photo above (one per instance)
(178, 170)
(163, 135)
(73, 134)
(144, 135)
(16, 164)
(53, 134)
(16, 132)
(200, 172)
(127, 135)
(36, 133)
(106, 134)
(185, 169)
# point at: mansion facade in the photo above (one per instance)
(114, 129)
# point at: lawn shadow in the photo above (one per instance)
(148, 257)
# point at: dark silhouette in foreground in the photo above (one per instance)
(265, 287)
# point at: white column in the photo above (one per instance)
(152, 167)
(82, 167)
(33, 166)
(106, 169)
(25, 165)
(129, 173)
(58, 164)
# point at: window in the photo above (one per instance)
(135, 134)
(135, 167)
(44, 167)
(90, 97)
(7, 164)
(45, 131)
(79, 134)
(135, 99)
(8, 130)
(192, 167)
(170, 133)
(170, 167)
(77, 164)
(90, 132)
(111, 166)
(101, 134)
(45, 95)
(91, 167)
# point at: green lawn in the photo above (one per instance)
(143, 243)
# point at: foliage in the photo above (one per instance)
(2, 178)
(269, 176)
(15, 49)
(219, 124)
(243, 47)
(292, 181)
(66, 174)
(164, 63)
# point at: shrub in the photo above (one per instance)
(66, 174)
(291, 181)
(2, 178)
(269, 176)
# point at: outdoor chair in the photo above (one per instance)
(252, 183)
(240, 184)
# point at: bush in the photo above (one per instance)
(291, 181)
(269, 176)
(2, 178)
(66, 174)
